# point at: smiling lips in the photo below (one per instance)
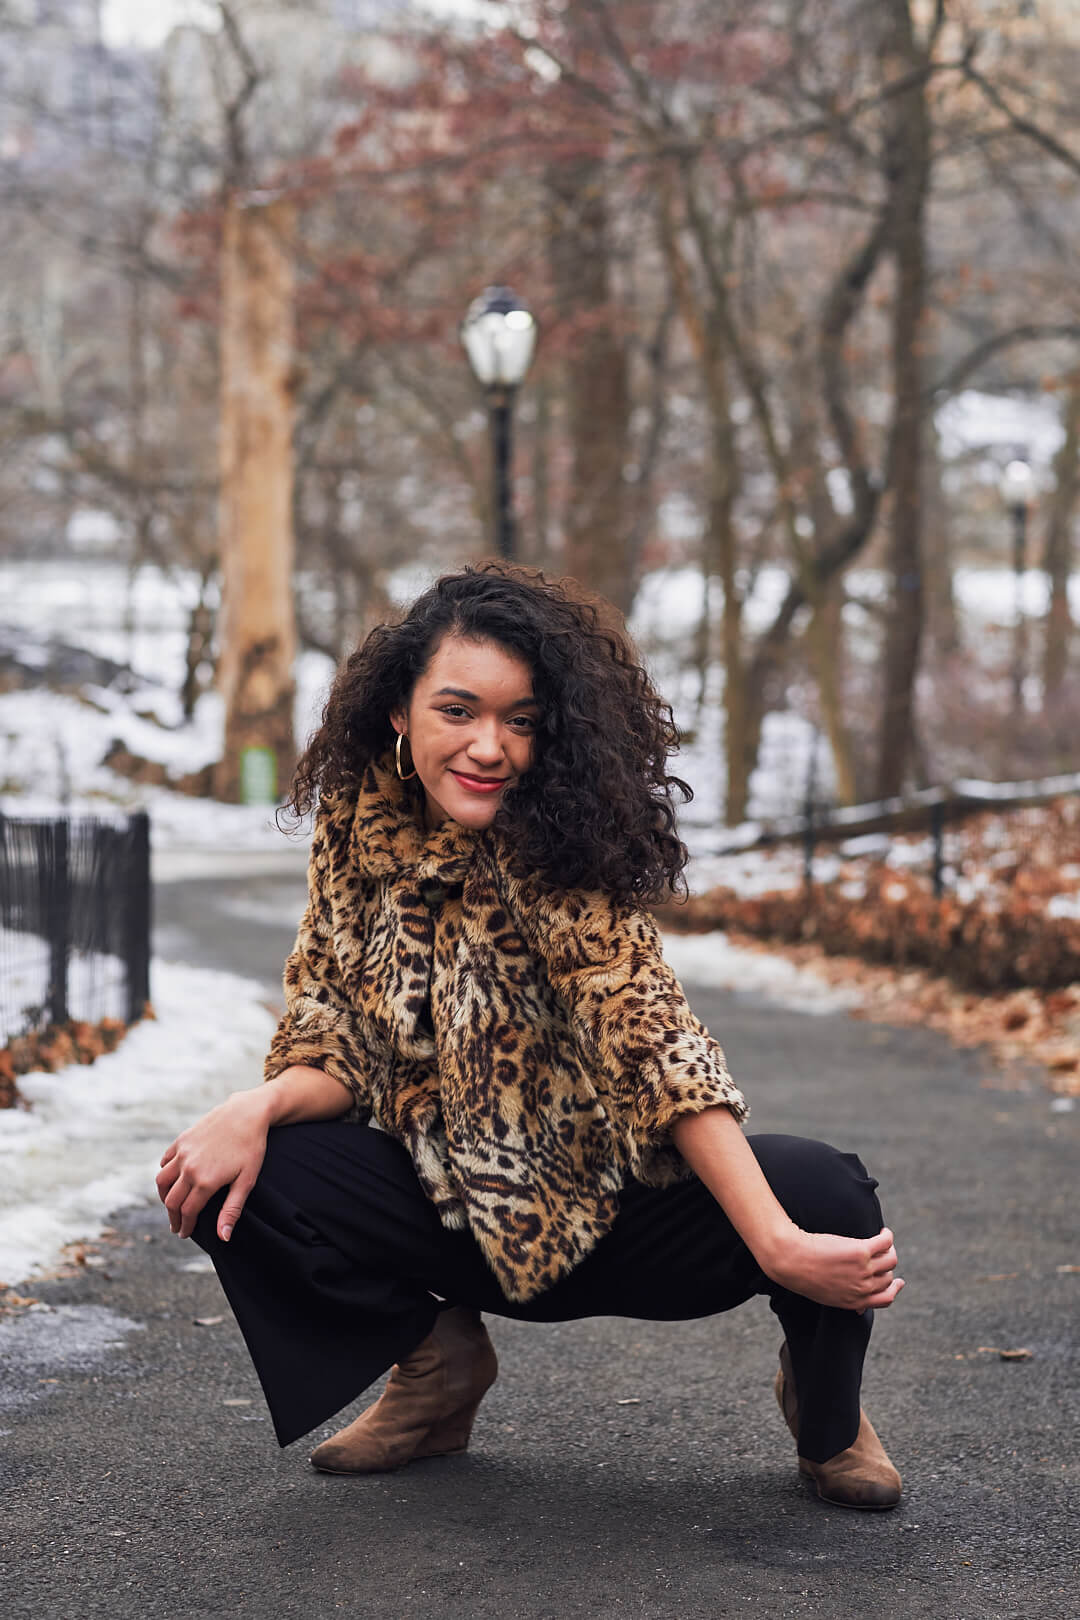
(480, 784)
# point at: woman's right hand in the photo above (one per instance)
(223, 1149)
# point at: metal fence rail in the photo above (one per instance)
(945, 821)
(75, 913)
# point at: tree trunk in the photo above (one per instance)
(942, 620)
(825, 656)
(719, 561)
(1058, 558)
(907, 167)
(258, 637)
(198, 653)
(598, 392)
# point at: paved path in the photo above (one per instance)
(141, 1479)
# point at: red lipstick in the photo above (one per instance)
(480, 784)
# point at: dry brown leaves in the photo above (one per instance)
(55, 1048)
(1023, 1029)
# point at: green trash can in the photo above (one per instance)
(258, 776)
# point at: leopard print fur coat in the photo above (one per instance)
(531, 1049)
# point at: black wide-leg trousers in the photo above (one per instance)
(334, 1265)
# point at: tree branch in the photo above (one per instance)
(233, 108)
(963, 369)
(1022, 125)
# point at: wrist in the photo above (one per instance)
(776, 1246)
(302, 1092)
(259, 1103)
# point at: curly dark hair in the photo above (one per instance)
(595, 810)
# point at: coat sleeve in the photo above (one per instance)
(604, 958)
(319, 1026)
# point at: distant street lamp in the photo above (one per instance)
(499, 335)
(1017, 487)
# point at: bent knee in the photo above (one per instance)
(821, 1188)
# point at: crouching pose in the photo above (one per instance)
(487, 1092)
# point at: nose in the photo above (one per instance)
(485, 744)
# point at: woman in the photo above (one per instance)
(555, 1134)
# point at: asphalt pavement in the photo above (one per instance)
(618, 1468)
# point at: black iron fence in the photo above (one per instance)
(75, 913)
(978, 882)
(964, 836)
(977, 840)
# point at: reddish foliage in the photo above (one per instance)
(9, 1096)
(898, 924)
(55, 1047)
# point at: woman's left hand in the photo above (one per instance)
(853, 1274)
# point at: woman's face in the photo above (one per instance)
(471, 725)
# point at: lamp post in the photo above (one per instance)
(1017, 487)
(499, 336)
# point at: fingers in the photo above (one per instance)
(183, 1197)
(881, 1258)
(191, 1209)
(881, 1285)
(882, 1300)
(232, 1207)
(169, 1154)
(173, 1199)
(883, 1267)
(165, 1179)
(881, 1243)
(185, 1203)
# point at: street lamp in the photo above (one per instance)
(499, 335)
(1017, 487)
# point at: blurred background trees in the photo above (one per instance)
(802, 275)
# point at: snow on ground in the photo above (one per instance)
(91, 1141)
(52, 745)
(1003, 426)
(663, 623)
(94, 979)
(1031, 853)
(711, 961)
(759, 871)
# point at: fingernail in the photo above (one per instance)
(226, 1233)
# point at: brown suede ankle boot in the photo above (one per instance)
(428, 1405)
(859, 1477)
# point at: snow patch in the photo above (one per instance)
(91, 1142)
(710, 961)
(94, 980)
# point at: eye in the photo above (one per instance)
(524, 722)
(453, 710)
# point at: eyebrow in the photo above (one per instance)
(471, 697)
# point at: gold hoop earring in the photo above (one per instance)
(404, 776)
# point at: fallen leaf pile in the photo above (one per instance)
(894, 921)
(1028, 1033)
(12, 1303)
(9, 1094)
(994, 962)
(55, 1048)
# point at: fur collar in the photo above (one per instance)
(388, 838)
